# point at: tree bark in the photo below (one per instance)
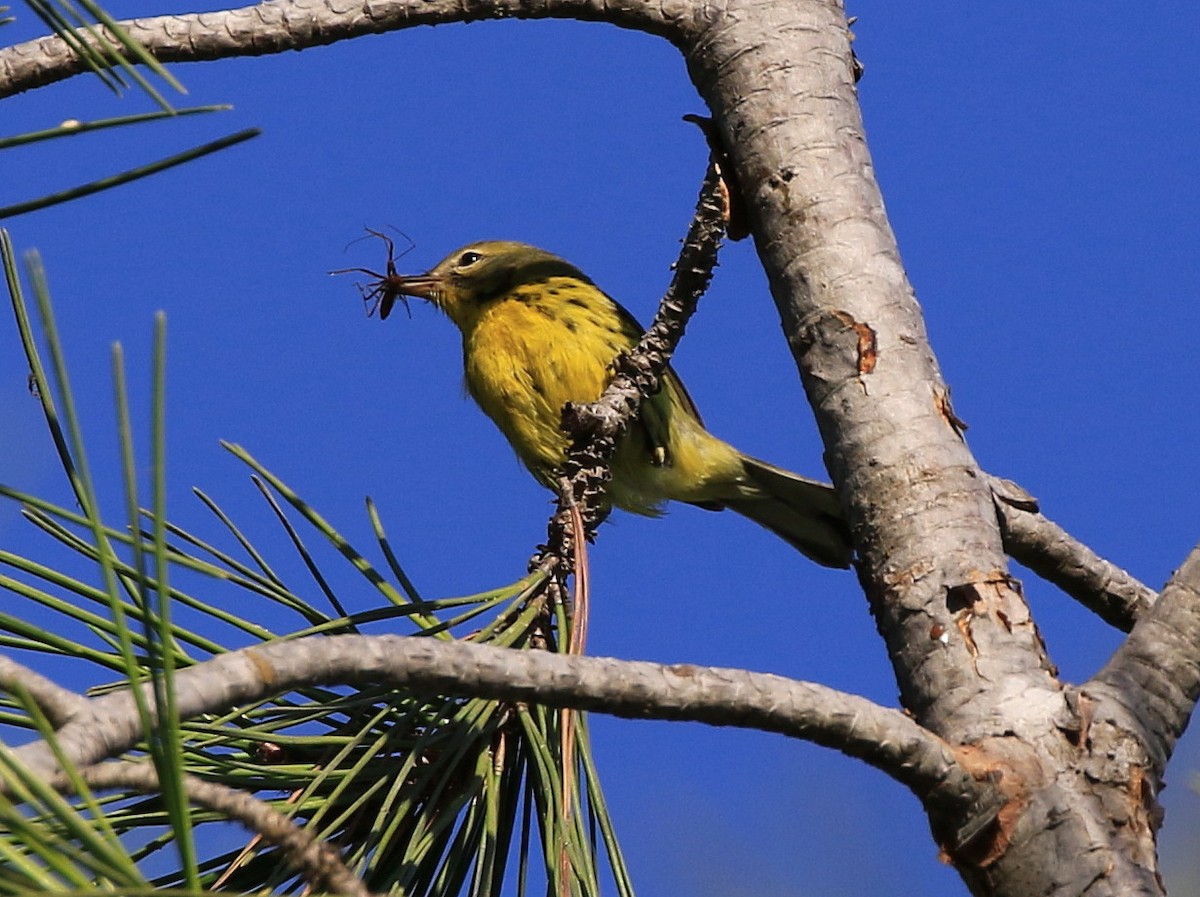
(967, 654)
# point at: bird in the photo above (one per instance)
(538, 333)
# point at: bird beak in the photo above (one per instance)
(423, 286)
(397, 286)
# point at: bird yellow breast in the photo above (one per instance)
(530, 352)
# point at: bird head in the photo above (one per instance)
(470, 278)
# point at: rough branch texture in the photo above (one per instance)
(1154, 676)
(317, 861)
(274, 27)
(598, 426)
(884, 738)
(57, 704)
(795, 134)
(1051, 552)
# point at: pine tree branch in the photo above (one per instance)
(1059, 558)
(1154, 677)
(58, 704)
(282, 25)
(638, 372)
(318, 862)
(595, 428)
(885, 738)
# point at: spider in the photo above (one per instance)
(382, 292)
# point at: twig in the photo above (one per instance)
(1052, 553)
(595, 428)
(317, 861)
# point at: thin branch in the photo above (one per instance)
(882, 737)
(595, 428)
(318, 862)
(297, 24)
(58, 704)
(1053, 554)
(1154, 676)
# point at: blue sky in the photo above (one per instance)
(1040, 171)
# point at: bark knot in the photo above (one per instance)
(1013, 770)
(834, 347)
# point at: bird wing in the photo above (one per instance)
(657, 409)
(671, 398)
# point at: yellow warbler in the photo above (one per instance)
(538, 333)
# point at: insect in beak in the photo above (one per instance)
(382, 292)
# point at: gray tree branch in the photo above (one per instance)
(887, 739)
(1059, 558)
(58, 704)
(931, 559)
(318, 862)
(279, 25)
(1153, 679)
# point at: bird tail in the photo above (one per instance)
(802, 512)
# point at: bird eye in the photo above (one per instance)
(468, 258)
